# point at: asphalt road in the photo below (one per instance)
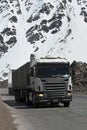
(49, 118)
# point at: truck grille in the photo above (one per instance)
(55, 90)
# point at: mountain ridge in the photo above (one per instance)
(43, 27)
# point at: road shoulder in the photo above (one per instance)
(6, 121)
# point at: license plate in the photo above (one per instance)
(55, 100)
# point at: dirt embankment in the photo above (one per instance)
(6, 121)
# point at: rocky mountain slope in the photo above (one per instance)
(79, 76)
(55, 27)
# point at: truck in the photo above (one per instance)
(44, 80)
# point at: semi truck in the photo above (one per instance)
(43, 80)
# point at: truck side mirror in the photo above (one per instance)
(32, 72)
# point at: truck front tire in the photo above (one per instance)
(34, 103)
(66, 104)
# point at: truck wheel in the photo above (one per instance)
(28, 102)
(34, 103)
(17, 96)
(66, 104)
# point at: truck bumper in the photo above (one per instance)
(42, 99)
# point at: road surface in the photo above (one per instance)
(49, 118)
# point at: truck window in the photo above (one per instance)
(52, 70)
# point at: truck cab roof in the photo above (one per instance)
(49, 59)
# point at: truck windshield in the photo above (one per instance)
(50, 70)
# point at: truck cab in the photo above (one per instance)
(50, 80)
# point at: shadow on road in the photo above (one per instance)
(18, 105)
(10, 101)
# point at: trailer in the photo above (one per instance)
(45, 80)
(21, 82)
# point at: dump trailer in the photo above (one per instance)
(43, 80)
(21, 83)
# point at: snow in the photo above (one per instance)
(51, 59)
(73, 48)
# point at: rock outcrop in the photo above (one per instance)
(79, 76)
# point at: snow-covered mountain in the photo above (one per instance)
(43, 27)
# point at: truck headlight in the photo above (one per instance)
(40, 95)
(69, 94)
